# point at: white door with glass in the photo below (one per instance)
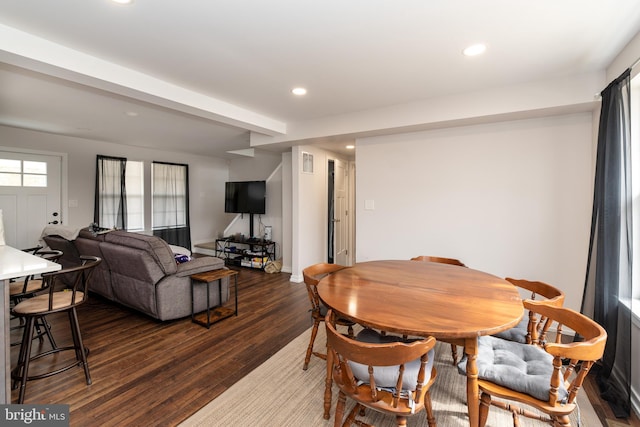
(30, 196)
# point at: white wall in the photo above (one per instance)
(205, 174)
(510, 198)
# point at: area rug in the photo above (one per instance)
(279, 393)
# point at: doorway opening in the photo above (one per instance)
(331, 212)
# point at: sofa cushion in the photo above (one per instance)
(199, 265)
(157, 248)
(101, 277)
(386, 376)
(520, 367)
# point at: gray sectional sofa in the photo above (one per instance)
(140, 272)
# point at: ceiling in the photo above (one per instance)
(202, 76)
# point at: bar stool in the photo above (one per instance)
(28, 287)
(54, 301)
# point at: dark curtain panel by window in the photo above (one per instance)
(608, 281)
(110, 207)
(171, 203)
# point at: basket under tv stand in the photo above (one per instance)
(245, 252)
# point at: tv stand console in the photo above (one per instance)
(241, 252)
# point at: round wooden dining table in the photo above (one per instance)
(451, 303)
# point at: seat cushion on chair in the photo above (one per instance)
(386, 376)
(518, 333)
(520, 367)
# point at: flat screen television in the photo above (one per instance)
(245, 197)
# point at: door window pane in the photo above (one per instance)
(16, 173)
(35, 167)
(34, 180)
(9, 165)
(10, 179)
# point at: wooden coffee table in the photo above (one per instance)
(213, 314)
(453, 304)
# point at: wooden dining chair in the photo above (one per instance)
(450, 261)
(441, 260)
(312, 275)
(533, 374)
(382, 373)
(539, 291)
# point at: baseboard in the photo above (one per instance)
(204, 251)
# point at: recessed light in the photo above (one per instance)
(299, 91)
(475, 49)
(122, 1)
(131, 114)
(350, 147)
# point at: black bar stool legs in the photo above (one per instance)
(20, 374)
(35, 309)
(81, 350)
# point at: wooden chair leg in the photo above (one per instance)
(454, 353)
(485, 404)
(351, 418)
(562, 421)
(342, 399)
(401, 421)
(314, 332)
(431, 420)
(328, 384)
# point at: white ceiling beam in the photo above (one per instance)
(37, 54)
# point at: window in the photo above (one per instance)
(23, 173)
(170, 203)
(119, 193)
(635, 186)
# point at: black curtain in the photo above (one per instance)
(110, 206)
(607, 292)
(171, 203)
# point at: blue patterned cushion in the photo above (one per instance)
(386, 376)
(181, 258)
(521, 367)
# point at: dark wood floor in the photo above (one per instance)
(154, 373)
